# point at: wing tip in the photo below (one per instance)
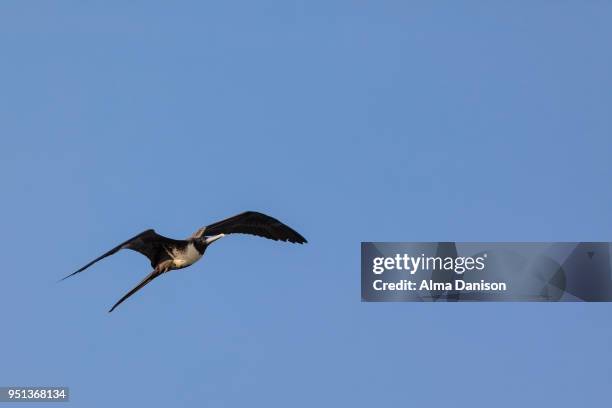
(298, 239)
(67, 276)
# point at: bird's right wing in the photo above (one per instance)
(254, 223)
(147, 243)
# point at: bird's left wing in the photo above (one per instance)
(147, 243)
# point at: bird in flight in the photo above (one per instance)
(167, 254)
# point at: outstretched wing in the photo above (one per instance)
(149, 243)
(254, 223)
(146, 280)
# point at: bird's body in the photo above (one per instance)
(168, 254)
(187, 252)
(184, 257)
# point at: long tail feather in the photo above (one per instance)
(146, 280)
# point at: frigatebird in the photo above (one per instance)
(168, 254)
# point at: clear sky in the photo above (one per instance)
(349, 120)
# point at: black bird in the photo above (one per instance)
(167, 254)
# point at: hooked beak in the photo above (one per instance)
(212, 239)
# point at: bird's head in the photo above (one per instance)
(199, 234)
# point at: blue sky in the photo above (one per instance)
(350, 121)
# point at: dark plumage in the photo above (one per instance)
(166, 254)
